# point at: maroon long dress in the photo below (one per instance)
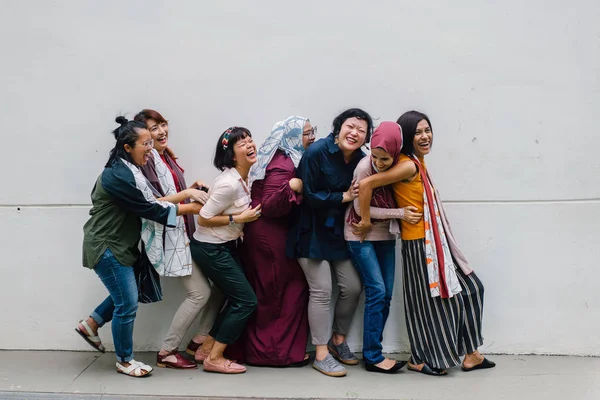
(277, 332)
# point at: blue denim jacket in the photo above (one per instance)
(317, 226)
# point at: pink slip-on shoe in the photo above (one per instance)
(229, 367)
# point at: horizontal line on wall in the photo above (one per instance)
(558, 201)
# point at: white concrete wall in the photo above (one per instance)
(511, 88)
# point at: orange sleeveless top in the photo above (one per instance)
(410, 194)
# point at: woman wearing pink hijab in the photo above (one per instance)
(443, 297)
(375, 256)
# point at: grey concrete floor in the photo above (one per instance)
(83, 375)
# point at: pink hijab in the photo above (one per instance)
(387, 136)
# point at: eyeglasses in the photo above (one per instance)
(148, 144)
(310, 133)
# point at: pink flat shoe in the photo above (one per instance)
(230, 367)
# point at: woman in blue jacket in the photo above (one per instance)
(316, 236)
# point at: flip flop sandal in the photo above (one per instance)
(135, 369)
(88, 336)
(484, 365)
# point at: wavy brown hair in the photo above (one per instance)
(145, 115)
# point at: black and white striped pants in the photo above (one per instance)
(440, 330)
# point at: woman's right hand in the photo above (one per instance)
(361, 229)
(197, 195)
(248, 215)
(411, 215)
(352, 192)
(296, 185)
(198, 185)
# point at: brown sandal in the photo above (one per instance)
(192, 347)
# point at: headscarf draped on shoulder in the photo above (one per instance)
(286, 135)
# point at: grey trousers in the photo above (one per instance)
(201, 297)
(318, 276)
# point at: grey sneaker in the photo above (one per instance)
(329, 366)
(342, 353)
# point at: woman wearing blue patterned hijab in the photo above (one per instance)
(292, 136)
(277, 333)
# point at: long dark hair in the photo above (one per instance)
(224, 151)
(126, 133)
(408, 122)
(147, 114)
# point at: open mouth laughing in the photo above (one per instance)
(251, 153)
(162, 140)
(424, 145)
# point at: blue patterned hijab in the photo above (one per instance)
(286, 136)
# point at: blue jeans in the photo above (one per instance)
(376, 264)
(121, 304)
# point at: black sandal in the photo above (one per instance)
(374, 368)
(485, 364)
(427, 370)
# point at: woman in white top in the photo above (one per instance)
(215, 244)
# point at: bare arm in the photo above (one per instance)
(190, 208)
(198, 198)
(248, 215)
(219, 220)
(362, 171)
(398, 172)
(178, 197)
(219, 200)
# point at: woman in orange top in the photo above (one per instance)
(443, 298)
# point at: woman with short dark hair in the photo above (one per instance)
(316, 236)
(215, 245)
